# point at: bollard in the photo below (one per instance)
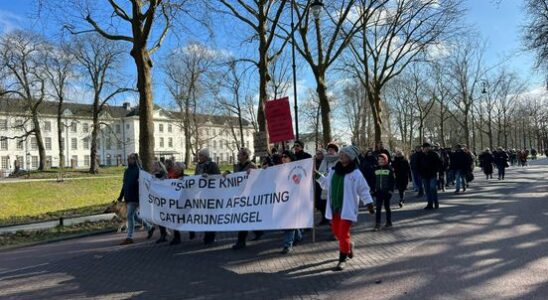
(61, 221)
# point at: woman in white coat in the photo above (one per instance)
(345, 187)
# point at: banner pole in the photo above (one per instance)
(313, 206)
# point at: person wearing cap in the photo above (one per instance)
(345, 187)
(291, 236)
(206, 167)
(298, 148)
(329, 161)
(244, 165)
(429, 166)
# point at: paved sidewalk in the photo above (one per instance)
(487, 243)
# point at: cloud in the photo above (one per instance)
(9, 21)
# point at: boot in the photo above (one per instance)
(342, 262)
(351, 254)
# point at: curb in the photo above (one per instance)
(59, 239)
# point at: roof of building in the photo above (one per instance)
(18, 106)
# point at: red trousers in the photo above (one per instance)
(341, 230)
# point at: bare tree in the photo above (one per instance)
(144, 25)
(59, 69)
(263, 17)
(22, 57)
(329, 43)
(392, 37)
(536, 32)
(186, 69)
(98, 60)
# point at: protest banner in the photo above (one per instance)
(279, 197)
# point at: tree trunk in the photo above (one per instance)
(146, 106)
(263, 74)
(93, 167)
(60, 134)
(375, 101)
(325, 109)
(39, 141)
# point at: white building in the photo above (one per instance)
(118, 137)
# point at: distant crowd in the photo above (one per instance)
(345, 177)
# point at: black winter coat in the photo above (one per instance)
(402, 170)
(429, 164)
(130, 185)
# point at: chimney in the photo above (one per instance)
(126, 106)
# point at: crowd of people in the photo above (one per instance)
(344, 178)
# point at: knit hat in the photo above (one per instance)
(351, 151)
(204, 152)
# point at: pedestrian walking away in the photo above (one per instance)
(382, 191)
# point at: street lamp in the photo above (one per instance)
(316, 7)
(484, 87)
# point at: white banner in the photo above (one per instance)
(279, 197)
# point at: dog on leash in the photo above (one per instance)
(119, 208)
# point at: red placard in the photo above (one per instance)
(279, 121)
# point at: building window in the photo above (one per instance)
(20, 144)
(73, 127)
(47, 126)
(214, 144)
(85, 142)
(74, 144)
(49, 159)
(170, 142)
(109, 144)
(213, 132)
(169, 128)
(19, 125)
(3, 143)
(161, 127)
(35, 162)
(74, 161)
(127, 140)
(33, 143)
(222, 156)
(127, 126)
(85, 127)
(118, 128)
(86, 160)
(5, 162)
(221, 144)
(48, 143)
(3, 124)
(62, 144)
(119, 146)
(161, 142)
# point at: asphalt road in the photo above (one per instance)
(488, 243)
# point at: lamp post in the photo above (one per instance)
(28, 164)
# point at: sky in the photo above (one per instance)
(498, 21)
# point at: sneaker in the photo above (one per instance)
(127, 241)
(340, 266)
(371, 209)
(238, 246)
(377, 227)
(150, 233)
(351, 254)
(162, 239)
(286, 250)
(175, 242)
(388, 225)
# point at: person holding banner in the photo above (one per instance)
(244, 165)
(206, 167)
(130, 193)
(291, 236)
(327, 164)
(345, 187)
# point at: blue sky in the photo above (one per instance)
(498, 21)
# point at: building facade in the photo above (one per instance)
(118, 135)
